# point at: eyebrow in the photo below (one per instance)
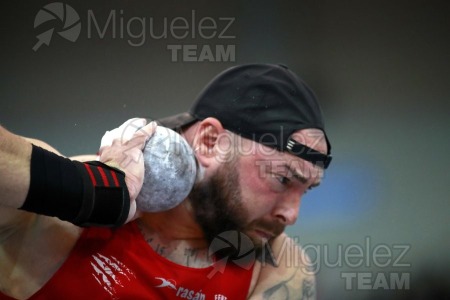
(300, 176)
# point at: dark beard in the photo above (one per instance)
(218, 208)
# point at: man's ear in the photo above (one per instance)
(206, 140)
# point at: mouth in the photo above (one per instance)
(263, 234)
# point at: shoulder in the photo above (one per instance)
(285, 272)
(37, 235)
(32, 229)
(37, 238)
(33, 248)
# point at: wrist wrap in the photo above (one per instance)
(85, 194)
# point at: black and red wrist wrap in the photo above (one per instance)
(85, 194)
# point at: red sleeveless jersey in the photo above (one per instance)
(119, 264)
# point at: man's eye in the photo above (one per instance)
(283, 180)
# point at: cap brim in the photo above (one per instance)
(177, 122)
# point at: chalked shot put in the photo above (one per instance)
(192, 206)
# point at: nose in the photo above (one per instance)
(287, 211)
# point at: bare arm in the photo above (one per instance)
(295, 287)
(289, 278)
(15, 155)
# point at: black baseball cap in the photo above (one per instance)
(266, 103)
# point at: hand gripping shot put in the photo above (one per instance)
(169, 162)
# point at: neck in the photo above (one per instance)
(175, 235)
(175, 224)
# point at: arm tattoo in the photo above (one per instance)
(308, 289)
(281, 291)
(160, 249)
(190, 253)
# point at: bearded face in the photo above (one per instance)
(219, 207)
(217, 202)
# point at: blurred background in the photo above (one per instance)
(378, 227)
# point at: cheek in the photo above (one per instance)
(257, 196)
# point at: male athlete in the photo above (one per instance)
(258, 134)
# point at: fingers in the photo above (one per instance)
(123, 148)
(143, 134)
(134, 133)
(124, 132)
(133, 147)
(147, 130)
